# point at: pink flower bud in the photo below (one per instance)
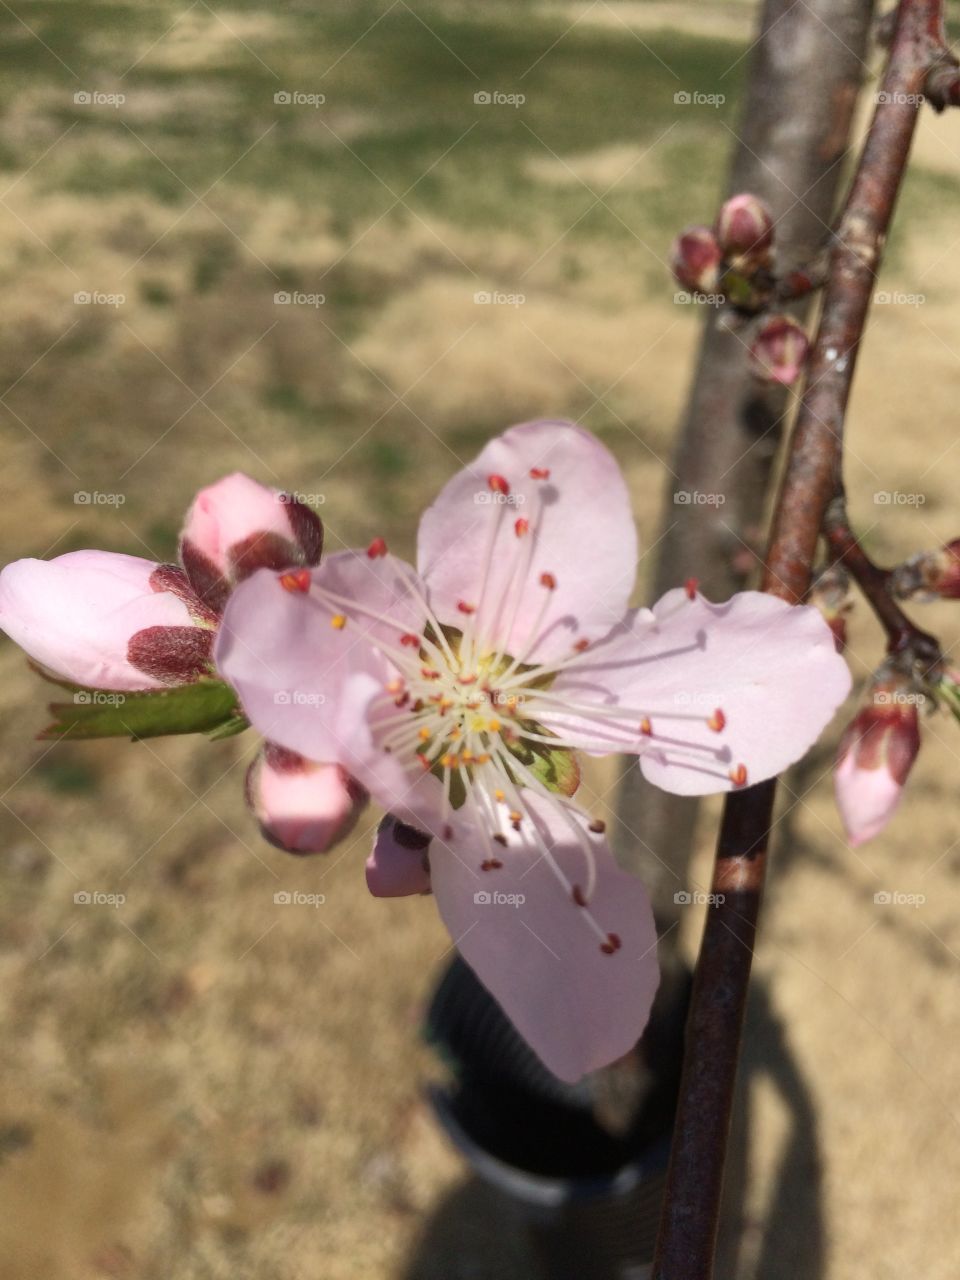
(237, 526)
(745, 227)
(302, 807)
(398, 865)
(778, 352)
(933, 574)
(107, 621)
(876, 753)
(695, 260)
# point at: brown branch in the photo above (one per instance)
(692, 1202)
(904, 638)
(792, 137)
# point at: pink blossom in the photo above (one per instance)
(236, 526)
(875, 756)
(398, 865)
(454, 692)
(106, 621)
(302, 807)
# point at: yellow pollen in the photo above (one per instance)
(493, 725)
(338, 621)
(499, 796)
(425, 735)
(483, 757)
(450, 761)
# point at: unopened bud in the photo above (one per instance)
(302, 807)
(778, 352)
(695, 260)
(745, 228)
(930, 575)
(237, 526)
(876, 754)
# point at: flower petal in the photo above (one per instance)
(316, 680)
(76, 615)
(398, 866)
(707, 688)
(563, 491)
(534, 949)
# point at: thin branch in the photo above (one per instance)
(692, 1202)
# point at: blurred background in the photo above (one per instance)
(336, 246)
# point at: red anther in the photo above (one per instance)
(495, 864)
(539, 473)
(296, 580)
(418, 705)
(466, 608)
(690, 587)
(579, 897)
(498, 484)
(378, 547)
(521, 526)
(581, 645)
(410, 640)
(597, 826)
(614, 940)
(424, 762)
(403, 699)
(717, 722)
(468, 679)
(646, 728)
(447, 832)
(738, 776)
(486, 865)
(501, 839)
(429, 673)
(607, 948)
(549, 581)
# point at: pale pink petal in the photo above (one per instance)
(578, 533)
(867, 799)
(712, 695)
(533, 948)
(324, 689)
(302, 807)
(77, 614)
(398, 866)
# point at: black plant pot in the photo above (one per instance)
(582, 1165)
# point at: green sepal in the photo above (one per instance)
(205, 706)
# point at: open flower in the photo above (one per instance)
(458, 693)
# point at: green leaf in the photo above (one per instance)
(206, 706)
(556, 767)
